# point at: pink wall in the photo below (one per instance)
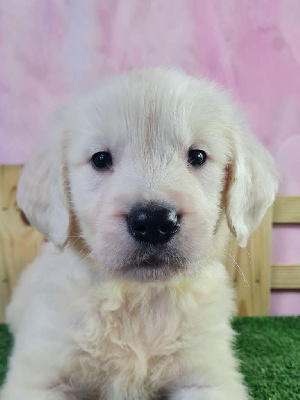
(52, 48)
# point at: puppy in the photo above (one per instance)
(135, 190)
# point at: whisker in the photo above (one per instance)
(239, 269)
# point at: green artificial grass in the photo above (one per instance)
(268, 347)
(6, 343)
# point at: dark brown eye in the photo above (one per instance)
(197, 157)
(102, 160)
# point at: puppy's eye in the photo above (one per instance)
(102, 160)
(197, 157)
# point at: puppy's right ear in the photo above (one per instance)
(41, 194)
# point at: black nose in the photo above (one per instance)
(152, 223)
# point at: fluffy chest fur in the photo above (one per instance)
(136, 337)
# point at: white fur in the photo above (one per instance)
(90, 324)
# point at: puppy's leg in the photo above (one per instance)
(18, 304)
(34, 375)
(192, 388)
(35, 366)
(12, 392)
(25, 383)
(201, 392)
(211, 377)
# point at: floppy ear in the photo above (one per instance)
(41, 193)
(252, 186)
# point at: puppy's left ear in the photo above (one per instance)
(252, 185)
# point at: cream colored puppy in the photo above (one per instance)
(135, 188)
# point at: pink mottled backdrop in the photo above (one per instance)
(52, 48)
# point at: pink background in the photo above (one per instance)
(53, 48)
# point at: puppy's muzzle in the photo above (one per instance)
(153, 223)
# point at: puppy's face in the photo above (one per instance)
(146, 159)
(146, 171)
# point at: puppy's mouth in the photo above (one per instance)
(150, 264)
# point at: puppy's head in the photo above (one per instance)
(149, 163)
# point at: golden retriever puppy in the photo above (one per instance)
(135, 189)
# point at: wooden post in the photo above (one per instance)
(19, 242)
(250, 270)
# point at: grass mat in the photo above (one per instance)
(269, 348)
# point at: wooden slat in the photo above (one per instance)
(286, 210)
(252, 264)
(19, 243)
(285, 276)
